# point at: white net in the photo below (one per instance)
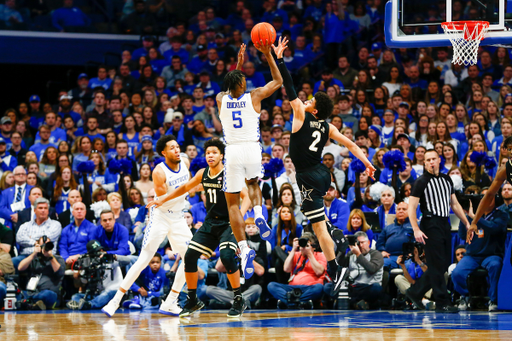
(465, 37)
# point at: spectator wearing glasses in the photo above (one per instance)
(15, 199)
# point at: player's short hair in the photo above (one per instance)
(508, 142)
(215, 143)
(162, 142)
(233, 79)
(323, 105)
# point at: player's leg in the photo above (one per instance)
(203, 243)
(234, 181)
(179, 236)
(154, 235)
(253, 171)
(228, 258)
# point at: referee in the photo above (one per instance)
(435, 194)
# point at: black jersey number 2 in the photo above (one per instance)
(316, 134)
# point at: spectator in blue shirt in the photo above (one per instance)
(147, 43)
(39, 147)
(253, 78)
(271, 11)
(9, 14)
(198, 211)
(394, 236)
(7, 161)
(336, 210)
(65, 108)
(69, 18)
(315, 10)
(210, 88)
(414, 79)
(57, 134)
(176, 50)
(102, 80)
(111, 235)
(74, 237)
(302, 55)
(327, 81)
(199, 62)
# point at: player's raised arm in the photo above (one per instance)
(486, 201)
(241, 56)
(277, 80)
(196, 180)
(336, 135)
(297, 105)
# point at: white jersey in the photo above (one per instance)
(174, 180)
(240, 122)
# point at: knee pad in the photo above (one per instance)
(228, 258)
(190, 260)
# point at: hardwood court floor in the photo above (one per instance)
(256, 325)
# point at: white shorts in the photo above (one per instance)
(161, 225)
(242, 161)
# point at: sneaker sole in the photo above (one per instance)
(248, 265)
(264, 228)
(239, 315)
(201, 306)
(106, 313)
(168, 313)
(337, 286)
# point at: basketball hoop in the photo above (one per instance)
(465, 37)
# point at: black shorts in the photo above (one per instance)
(212, 234)
(313, 185)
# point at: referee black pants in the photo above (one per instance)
(438, 253)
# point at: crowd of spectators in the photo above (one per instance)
(405, 101)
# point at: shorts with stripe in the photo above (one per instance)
(163, 225)
(241, 162)
(313, 184)
(213, 234)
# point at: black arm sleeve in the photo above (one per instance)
(287, 80)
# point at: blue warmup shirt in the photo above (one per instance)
(74, 242)
(118, 242)
(39, 149)
(393, 236)
(63, 17)
(338, 213)
(56, 136)
(96, 82)
(198, 212)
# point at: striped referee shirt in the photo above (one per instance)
(435, 194)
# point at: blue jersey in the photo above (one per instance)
(153, 282)
(62, 203)
(133, 143)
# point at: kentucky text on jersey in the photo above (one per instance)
(236, 105)
(178, 180)
(317, 125)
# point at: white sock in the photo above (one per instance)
(119, 296)
(172, 297)
(242, 245)
(258, 211)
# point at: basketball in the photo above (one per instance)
(263, 31)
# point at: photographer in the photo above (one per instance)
(100, 275)
(46, 272)
(75, 236)
(366, 270)
(485, 247)
(413, 269)
(307, 269)
(394, 236)
(6, 267)
(31, 231)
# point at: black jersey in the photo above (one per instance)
(509, 171)
(307, 144)
(216, 205)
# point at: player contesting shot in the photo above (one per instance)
(215, 231)
(240, 117)
(310, 133)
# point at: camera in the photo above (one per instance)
(465, 199)
(46, 246)
(305, 238)
(303, 241)
(293, 296)
(93, 269)
(408, 250)
(352, 240)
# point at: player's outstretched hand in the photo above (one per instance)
(283, 44)
(263, 46)
(370, 170)
(241, 54)
(156, 203)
